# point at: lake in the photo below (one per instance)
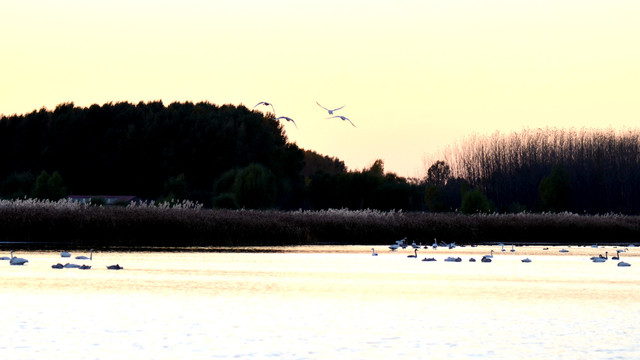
(324, 302)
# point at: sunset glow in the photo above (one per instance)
(414, 76)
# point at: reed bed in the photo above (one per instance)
(46, 224)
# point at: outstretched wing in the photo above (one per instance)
(336, 109)
(266, 104)
(342, 118)
(322, 106)
(288, 119)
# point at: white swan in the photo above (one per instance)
(617, 257)
(563, 250)
(82, 257)
(513, 249)
(330, 110)
(622, 263)
(503, 248)
(288, 119)
(344, 118)
(115, 267)
(489, 256)
(57, 266)
(71, 266)
(435, 243)
(266, 104)
(414, 255)
(394, 247)
(526, 260)
(16, 260)
(600, 258)
(65, 254)
(373, 252)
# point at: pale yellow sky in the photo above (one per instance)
(415, 76)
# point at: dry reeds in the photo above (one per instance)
(45, 224)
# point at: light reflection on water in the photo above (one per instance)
(323, 303)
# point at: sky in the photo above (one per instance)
(413, 76)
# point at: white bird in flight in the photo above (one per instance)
(344, 118)
(265, 104)
(330, 110)
(288, 119)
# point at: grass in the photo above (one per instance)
(45, 224)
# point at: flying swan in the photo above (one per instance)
(288, 119)
(344, 118)
(265, 104)
(330, 110)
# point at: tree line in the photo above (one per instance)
(234, 157)
(221, 156)
(578, 170)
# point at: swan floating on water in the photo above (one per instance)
(513, 249)
(622, 263)
(526, 260)
(57, 266)
(398, 244)
(84, 267)
(373, 252)
(487, 258)
(600, 258)
(429, 259)
(65, 254)
(415, 255)
(472, 260)
(82, 257)
(16, 260)
(71, 266)
(563, 250)
(115, 267)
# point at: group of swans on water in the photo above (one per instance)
(403, 244)
(488, 258)
(66, 254)
(21, 261)
(601, 259)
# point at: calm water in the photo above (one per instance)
(323, 303)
